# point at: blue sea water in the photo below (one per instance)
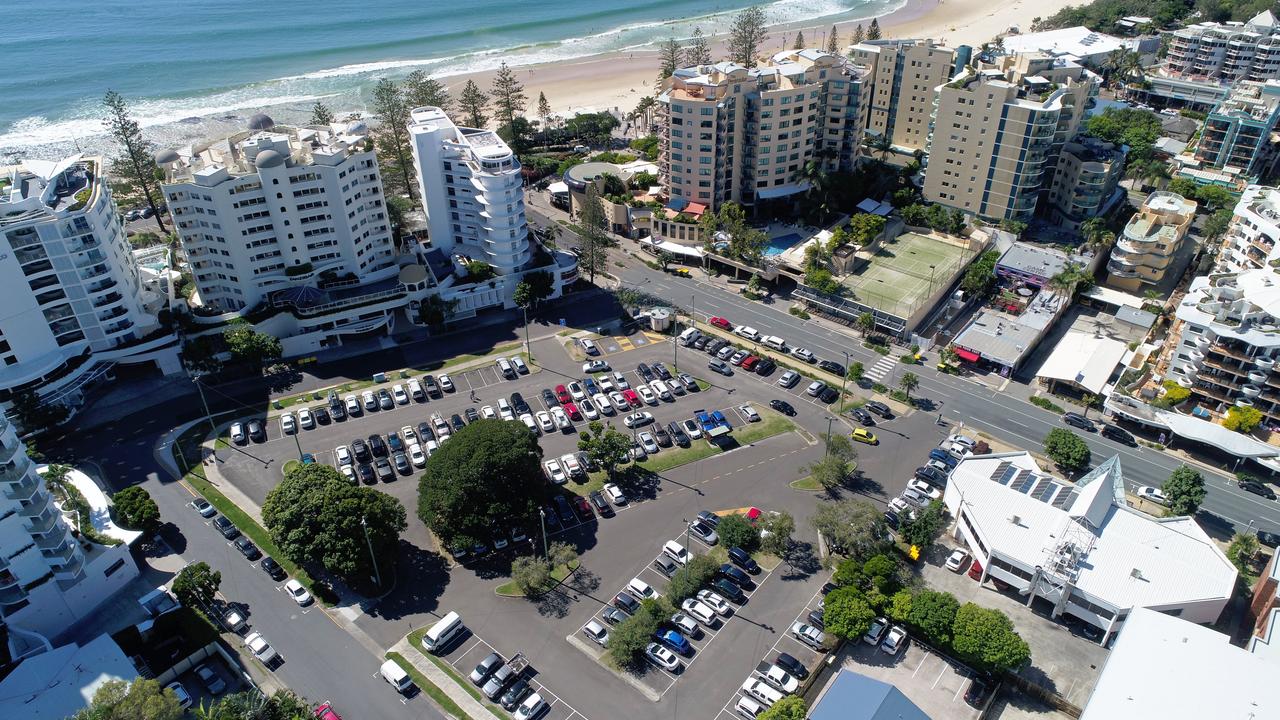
(185, 65)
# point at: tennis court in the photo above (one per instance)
(903, 274)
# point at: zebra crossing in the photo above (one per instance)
(883, 367)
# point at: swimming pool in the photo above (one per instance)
(781, 244)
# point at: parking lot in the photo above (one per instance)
(926, 678)
(467, 653)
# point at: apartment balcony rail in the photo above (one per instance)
(38, 505)
(15, 469)
(63, 552)
(22, 488)
(1229, 351)
(71, 569)
(43, 524)
(12, 593)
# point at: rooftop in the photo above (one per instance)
(784, 70)
(58, 683)
(37, 187)
(853, 696)
(1033, 260)
(905, 272)
(266, 146)
(1083, 359)
(998, 336)
(1076, 41)
(1251, 100)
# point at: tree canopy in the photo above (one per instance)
(138, 699)
(933, 613)
(1139, 129)
(136, 510)
(250, 346)
(136, 167)
(855, 527)
(847, 614)
(1067, 450)
(986, 638)
(790, 707)
(486, 479)
(736, 531)
(195, 584)
(746, 36)
(1184, 490)
(474, 105)
(509, 102)
(604, 445)
(252, 705)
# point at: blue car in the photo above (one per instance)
(719, 419)
(943, 456)
(675, 641)
(705, 421)
(591, 387)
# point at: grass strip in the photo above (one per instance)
(558, 575)
(807, 484)
(436, 694)
(415, 639)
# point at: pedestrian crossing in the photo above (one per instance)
(883, 367)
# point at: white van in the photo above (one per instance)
(775, 342)
(504, 367)
(443, 632)
(416, 391)
(688, 336)
(396, 676)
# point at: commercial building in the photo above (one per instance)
(901, 83)
(1076, 43)
(1238, 140)
(76, 304)
(1145, 250)
(997, 134)
(49, 579)
(271, 208)
(1078, 548)
(735, 134)
(1164, 666)
(854, 696)
(1086, 182)
(1204, 60)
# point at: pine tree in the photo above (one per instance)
(422, 90)
(873, 32)
(135, 167)
(321, 114)
(509, 101)
(474, 105)
(859, 34)
(544, 111)
(799, 44)
(388, 106)
(746, 35)
(594, 238)
(699, 50)
(833, 43)
(669, 54)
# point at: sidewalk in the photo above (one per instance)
(442, 680)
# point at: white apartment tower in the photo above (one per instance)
(75, 304)
(902, 84)
(272, 208)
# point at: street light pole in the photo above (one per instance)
(297, 442)
(377, 576)
(527, 348)
(212, 428)
(829, 421)
(844, 378)
(542, 518)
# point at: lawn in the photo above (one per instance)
(767, 562)
(427, 687)
(415, 639)
(807, 484)
(770, 424)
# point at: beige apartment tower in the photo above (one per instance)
(903, 78)
(1143, 253)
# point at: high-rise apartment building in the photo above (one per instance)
(1085, 181)
(733, 134)
(272, 208)
(1238, 133)
(902, 81)
(74, 304)
(1204, 60)
(997, 134)
(1150, 241)
(1250, 241)
(48, 578)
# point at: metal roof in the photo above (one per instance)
(853, 696)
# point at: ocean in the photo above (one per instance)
(193, 69)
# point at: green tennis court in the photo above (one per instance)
(902, 274)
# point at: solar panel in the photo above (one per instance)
(1008, 475)
(1064, 499)
(997, 475)
(1023, 482)
(1046, 489)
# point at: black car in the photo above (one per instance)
(1078, 420)
(361, 451)
(456, 421)
(272, 568)
(1119, 435)
(247, 548)
(1257, 488)
(433, 388)
(514, 694)
(677, 435)
(601, 505)
(256, 431)
(377, 445)
(550, 517)
(549, 398)
(1269, 539)
(828, 395)
(661, 435)
(383, 468)
(713, 346)
(321, 414)
(365, 471)
(395, 442)
(791, 665)
(832, 367)
(977, 692)
(625, 602)
(815, 619)
(742, 559)
(862, 416)
(827, 588)
(708, 518)
(402, 463)
(736, 575)
(226, 527)
(472, 414)
(661, 371)
(425, 432)
(783, 407)
(891, 519)
(729, 590)
(645, 372)
(563, 508)
(879, 408)
(765, 367)
(665, 565)
(931, 475)
(518, 404)
(338, 412)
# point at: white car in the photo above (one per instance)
(545, 422)
(642, 590)
(518, 363)
(648, 442)
(637, 452)
(747, 332)
(594, 366)
(260, 648)
(416, 455)
(605, 383)
(804, 354)
(809, 635)
(529, 422)
(676, 551)
(924, 488)
(686, 625)
(409, 434)
(353, 405)
(588, 409)
(660, 389)
(898, 506)
(878, 626)
(596, 632)
(894, 641)
(349, 472)
(602, 402)
(700, 611)
(760, 691)
(446, 383)
(620, 381)
(343, 455)
(691, 428)
(504, 410)
(1147, 492)
(748, 708)
(370, 402)
(530, 708)
(646, 395)
(590, 346)
(964, 440)
(554, 472)
(789, 379)
(715, 602)
(441, 425)
(636, 419)
(237, 436)
(401, 397)
(749, 413)
(576, 391)
(619, 402)
(184, 697)
(562, 419)
(431, 447)
(662, 657)
(287, 424)
(487, 413)
(956, 561)
(614, 493)
(297, 592)
(781, 679)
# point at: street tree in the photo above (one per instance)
(562, 554)
(1243, 552)
(833, 41)
(196, 584)
(594, 239)
(474, 105)
(422, 90)
(388, 105)
(776, 529)
(1067, 450)
(136, 699)
(736, 531)
(922, 530)
(847, 614)
(135, 509)
(699, 50)
(509, 103)
(135, 168)
(691, 577)
(606, 447)
(669, 56)
(836, 465)
(531, 573)
(316, 517)
(873, 31)
(627, 639)
(253, 705)
(799, 43)
(256, 349)
(933, 613)
(866, 323)
(856, 371)
(35, 415)
(321, 114)
(746, 35)
(854, 527)
(1184, 490)
(790, 707)
(899, 608)
(487, 476)
(985, 637)
(908, 382)
(544, 111)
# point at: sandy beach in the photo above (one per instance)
(620, 80)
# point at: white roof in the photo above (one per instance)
(1163, 667)
(672, 247)
(557, 188)
(1114, 297)
(1134, 560)
(1079, 41)
(1084, 359)
(56, 684)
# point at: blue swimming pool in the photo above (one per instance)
(781, 244)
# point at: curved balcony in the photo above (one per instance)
(1251, 391)
(1257, 377)
(1265, 364)
(23, 488)
(1197, 358)
(15, 469)
(1201, 343)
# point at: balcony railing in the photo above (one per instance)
(43, 523)
(21, 489)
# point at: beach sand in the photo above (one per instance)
(620, 80)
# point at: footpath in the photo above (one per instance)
(474, 709)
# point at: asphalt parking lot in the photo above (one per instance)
(929, 680)
(466, 654)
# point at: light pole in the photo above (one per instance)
(843, 379)
(542, 518)
(212, 428)
(527, 348)
(377, 576)
(297, 442)
(829, 421)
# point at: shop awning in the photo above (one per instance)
(967, 355)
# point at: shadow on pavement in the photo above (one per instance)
(422, 578)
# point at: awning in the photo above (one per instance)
(967, 355)
(558, 188)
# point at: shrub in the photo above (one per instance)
(933, 613)
(1047, 404)
(735, 531)
(628, 638)
(1242, 419)
(847, 613)
(136, 510)
(692, 577)
(986, 638)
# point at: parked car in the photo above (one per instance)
(783, 407)
(1153, 494)
(299, 593)
(863, 435)
(238, 435)
(742, 559)
(804, 354)
(1257, 488)
(721, 367)
(862, 416)
(226, 527)
(1120, 435)
(703, 532)
(832, 367)
(1078, 420)
(957, 561)
(203, 507)
(879, 408)
(894, 641)
(211, 680)
(272, 568)
(809, 635)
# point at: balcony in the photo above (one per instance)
(22, 489)
(1264, 363)
(43, 524)
(1230, 351)
(15, 469)
(62, 553)
(50, 540)
(71, 570)
(1251, 391)
(37, 506)
(1258, 377)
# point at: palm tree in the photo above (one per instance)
(816, 195)
(882, 145)
(908, 382)
(1092, 228)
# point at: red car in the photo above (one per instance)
(721, 323)
(975, 570)
(749, 362)
(562, 395)
(572, 410)
(583, 507)
(326, 712)
(631, 397)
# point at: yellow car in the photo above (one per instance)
(862, 435)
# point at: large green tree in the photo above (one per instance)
(836, 465)
(35, 415)
(138, 699)
(136, 510)
(736, 531)
(790, 707)
(606, 447)
(487, 478)
(316, 516)
(776, 529)
(925, 527)
(509, 102)
(847, 614)
(422, 90)
(389, 106)
(855, 527)
(669, 57)
(1067, 450)
(136, 167)
(627, 639)
(321, 114)
(691, 577)
(933, 613)
(1184, 490)
(594, 237)
(986, 638)
(253, 705)
(196, 584)
(474, 105)
(746, 36)
(249, 346)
